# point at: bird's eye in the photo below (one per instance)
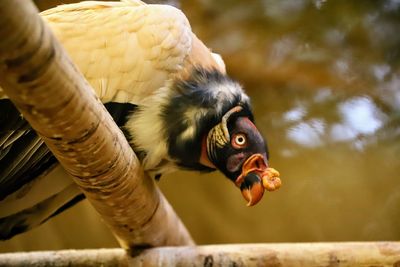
(239, 140)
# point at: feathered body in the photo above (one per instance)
(163, 87)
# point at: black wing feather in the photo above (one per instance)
(24, 157)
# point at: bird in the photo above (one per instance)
(166, 90)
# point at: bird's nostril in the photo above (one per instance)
(260, 163)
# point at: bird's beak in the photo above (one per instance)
(256, 177)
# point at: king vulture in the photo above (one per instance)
(166, 91)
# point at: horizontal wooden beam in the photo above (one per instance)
(351, 254)
(43, 83)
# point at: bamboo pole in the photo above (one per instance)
(56, 100)
(362, 254)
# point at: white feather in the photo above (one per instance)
(148, 129)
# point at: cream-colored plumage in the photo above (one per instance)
(126, 49)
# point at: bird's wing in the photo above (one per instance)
(126, 50)
(35, 202)
(22, 153)
(25, 162)
(32, 187)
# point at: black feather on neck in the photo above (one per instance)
(205, 97)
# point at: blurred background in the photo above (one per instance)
(324, 78)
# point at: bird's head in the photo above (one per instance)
(236, 147)
(209, 125)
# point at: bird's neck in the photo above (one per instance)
(170, 126)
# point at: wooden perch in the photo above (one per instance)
(266, 255)
(55, 99)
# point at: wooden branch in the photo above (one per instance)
(55, 99)
(82, 258)
(266, 255)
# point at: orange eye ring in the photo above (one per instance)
(239, 140)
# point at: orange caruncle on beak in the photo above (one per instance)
(256, 177)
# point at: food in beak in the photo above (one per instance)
(256, 177)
